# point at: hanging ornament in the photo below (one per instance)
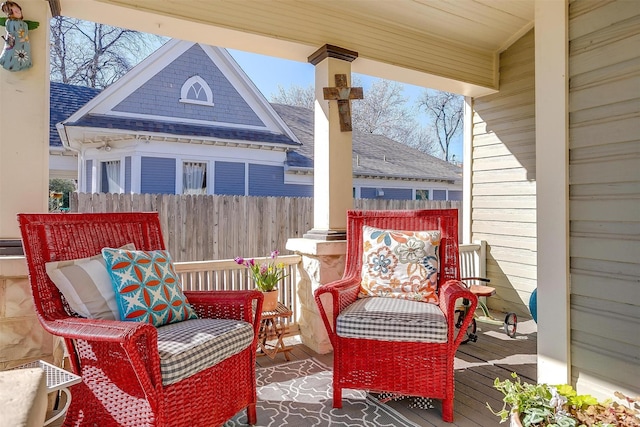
(16, 55)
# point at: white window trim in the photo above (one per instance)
(205, 86)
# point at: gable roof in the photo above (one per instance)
(373, 155)
(65, 100)
(149, 101)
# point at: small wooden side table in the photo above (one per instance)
(273, 327)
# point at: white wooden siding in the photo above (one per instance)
(503, 176)
(604, 135)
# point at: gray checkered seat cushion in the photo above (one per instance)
(188, 347)
(392, 319)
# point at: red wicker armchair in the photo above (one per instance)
(119, 361)
(399, 367)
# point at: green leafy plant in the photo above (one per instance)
(542, 405)
(266, 275)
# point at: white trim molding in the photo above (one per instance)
(552, 195)
(204, 86)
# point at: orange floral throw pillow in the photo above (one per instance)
(400, 264)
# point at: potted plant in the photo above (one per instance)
(266, 276)
(542, 405)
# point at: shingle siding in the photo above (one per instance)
(229, 178)
(160, 95)
(265, 180)
(158, 175)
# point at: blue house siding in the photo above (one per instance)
(88, 174)
(267, 180)
(160, 95)
(455, 195)
(389, 193)
(439, 194)
(158, 175)
(229, 178)
(127, 175)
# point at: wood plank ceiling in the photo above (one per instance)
(446, 44)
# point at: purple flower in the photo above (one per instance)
(239, 260)
(275, 254)
(251, 262)
(264, 268)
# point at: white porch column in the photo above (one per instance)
(24, 128)
(552, 182)
(323, 248)
(332, 167)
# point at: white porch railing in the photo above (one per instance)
(228, 275)
(473, 259)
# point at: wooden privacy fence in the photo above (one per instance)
(214, 227)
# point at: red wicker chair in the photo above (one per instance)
(404, 368)
(119, 361)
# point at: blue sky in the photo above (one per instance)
(286, 73)
(268, 72)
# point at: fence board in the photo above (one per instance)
(198, 228)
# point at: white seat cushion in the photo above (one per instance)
(188, 347)
(391, 319)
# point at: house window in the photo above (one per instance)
(111, 182)
(422, 194)
(196, 91)
(194, 178)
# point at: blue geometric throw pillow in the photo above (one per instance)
(146, 287)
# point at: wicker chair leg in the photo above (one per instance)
(337, 397)
(447, 410)
(252, 417)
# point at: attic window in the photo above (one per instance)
(196, 91)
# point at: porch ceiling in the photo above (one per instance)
(448, 45)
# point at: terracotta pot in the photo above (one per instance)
(270, 300)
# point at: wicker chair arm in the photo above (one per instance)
(98, 330)
(339, 295)
(450, 293)
(240, 305)
(138, 341)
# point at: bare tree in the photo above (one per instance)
(447, 112)
(295, 95)
(95, 55)
(384, 111)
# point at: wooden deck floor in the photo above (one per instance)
(494, 355)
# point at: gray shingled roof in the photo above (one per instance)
(373, 155)
(65, 100)
(180, 129)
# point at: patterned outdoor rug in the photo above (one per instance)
(299, 394)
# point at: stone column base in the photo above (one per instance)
(322, 262)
